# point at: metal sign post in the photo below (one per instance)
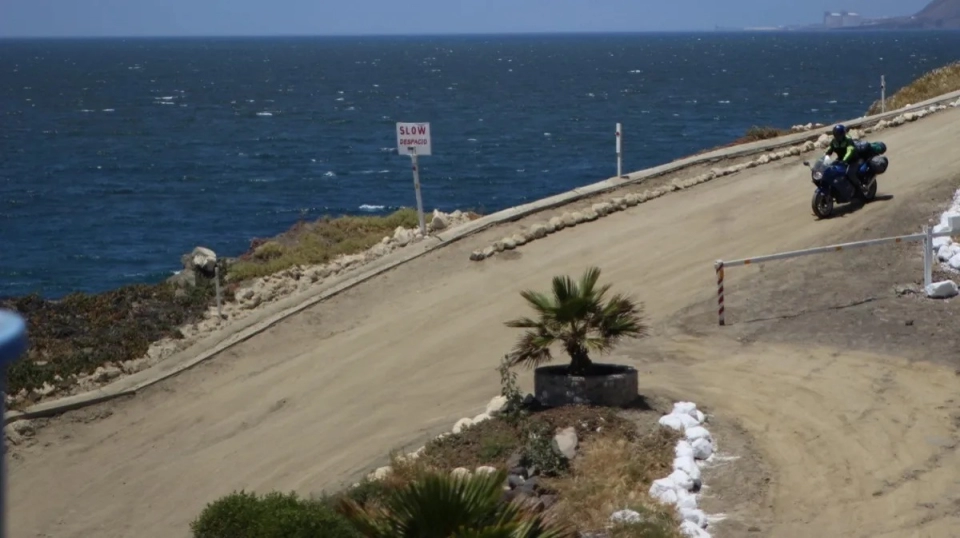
(416, 187)
(883, 94)
(414, 139)
(619, 151)
(13, 344)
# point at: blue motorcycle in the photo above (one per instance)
(833, 186)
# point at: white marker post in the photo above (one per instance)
(883, 94)
(619, 151)
(413, 139)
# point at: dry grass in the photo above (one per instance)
(942, 80)
(612, 473)
(318, 242)
(753, 134)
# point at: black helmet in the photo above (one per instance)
(839, 131)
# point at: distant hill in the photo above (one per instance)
(938, 14)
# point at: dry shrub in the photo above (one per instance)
(942, 80)
(312, 243)
(611, 474)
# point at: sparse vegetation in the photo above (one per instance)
(942, 80)
(439, 505)
(83, 331)
(274, 515)
(577, 317)
(613, 473)
(757, 133)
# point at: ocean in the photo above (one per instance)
(118, 156)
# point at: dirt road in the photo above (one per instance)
(856, 440)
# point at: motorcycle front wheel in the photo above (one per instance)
(822, 204)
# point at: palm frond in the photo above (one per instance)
(525, 323)
(532, 350)
(543, 304)
(588, 281)
(563, 289)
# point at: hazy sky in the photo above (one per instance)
(320, 17)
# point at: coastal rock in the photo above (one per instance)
(519, 239)
(631, 199)
(204, 260)
(590, 215)
(619, 203)
(764, 159)
(489, 251)
(565, 442)
(477, 255)
(438, 222)
(577, 217)
(496, 405)
(508, 243)
(550, 227)
(557, 223)
(460, 472)
(402, 236)
(462, 424)
(602, 209)
(538, 231)
(498, 246)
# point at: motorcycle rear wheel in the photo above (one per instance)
(822, 205)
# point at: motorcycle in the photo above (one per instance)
(833, 186)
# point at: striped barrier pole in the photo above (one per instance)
(719, 267)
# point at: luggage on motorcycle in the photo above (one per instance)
(879, 148)
(863, 148)
(879, 164)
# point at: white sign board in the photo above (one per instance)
(413, 136)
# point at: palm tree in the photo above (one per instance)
(579, 318)
(437, 505)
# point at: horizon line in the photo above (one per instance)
(728, 30)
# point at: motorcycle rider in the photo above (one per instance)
(842, 145)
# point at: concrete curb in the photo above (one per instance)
(227, 337)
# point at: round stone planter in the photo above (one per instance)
(608, 385)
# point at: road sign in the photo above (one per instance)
(413, 138)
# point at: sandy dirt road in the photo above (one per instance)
(854, 439)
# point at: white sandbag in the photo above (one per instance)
(681, 479)
(702, 449)
(687, 465)
(685, 499)
(695, 516)
(701, 418)
(626, 516)
(947, 251)
(940, 243)
(664, 490)
(944, 225)
(940, 290)
(691, 530)
(685, 408)
(673, 422)
(955, 261)
(697, 432)
(683, 449)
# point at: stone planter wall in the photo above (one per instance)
(612, 386)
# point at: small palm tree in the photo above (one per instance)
(437, 505)
(577, 317)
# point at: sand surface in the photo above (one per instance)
(859, 439)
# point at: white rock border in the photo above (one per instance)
(947, 249)
(680, 488)
(620, 203)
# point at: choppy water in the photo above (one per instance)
(116, 156)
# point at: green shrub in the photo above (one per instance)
(539, 452)
(274, 515)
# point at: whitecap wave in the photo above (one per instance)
(369, 207)
(330, 174)
(264, 113)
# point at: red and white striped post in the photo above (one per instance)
(719, 267)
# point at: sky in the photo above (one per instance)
(96, 18)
